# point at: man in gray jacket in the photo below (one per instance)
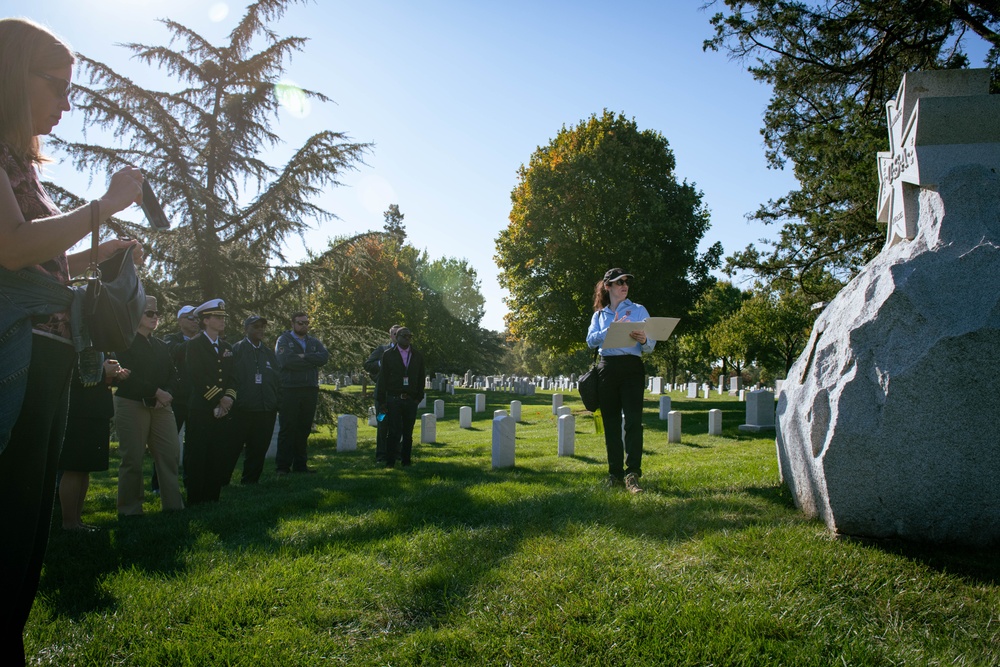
(300, 356)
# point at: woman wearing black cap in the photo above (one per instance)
(621, 378)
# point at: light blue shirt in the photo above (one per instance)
(626, 312)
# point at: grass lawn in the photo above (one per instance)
(452, 563)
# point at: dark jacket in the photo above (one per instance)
(248, 362)
(299, 371)
(211, 374)
(176, 343)
(390, 379)
(151, 367)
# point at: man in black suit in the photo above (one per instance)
(400, 387)
(259, 387)
(209, 363)
(372, 365)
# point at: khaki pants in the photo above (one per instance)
(139, 428)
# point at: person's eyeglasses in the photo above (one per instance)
(301, 322)
(61, 87)
(623, 281)
(191, 318)
(152, 313)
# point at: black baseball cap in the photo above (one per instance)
(616, 274)
(253, 319)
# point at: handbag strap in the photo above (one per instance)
(94, 271)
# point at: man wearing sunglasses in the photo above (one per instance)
(300, 356)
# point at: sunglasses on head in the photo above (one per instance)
(152, 313)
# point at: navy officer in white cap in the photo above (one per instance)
(208, 361)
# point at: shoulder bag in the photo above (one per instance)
(588, 385)
(115, 299)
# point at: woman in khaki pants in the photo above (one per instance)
(145, 420)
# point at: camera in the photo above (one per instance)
(152, 209)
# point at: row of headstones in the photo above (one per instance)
(759, 412)
(656, 385)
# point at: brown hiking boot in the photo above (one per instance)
(632, 483)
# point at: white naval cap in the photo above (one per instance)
(211, 307)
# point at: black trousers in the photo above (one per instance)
(251, 432)
(27, 487)
(206, 446)
(622, 382)
(295, 416)
(399, 438)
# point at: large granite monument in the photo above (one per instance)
(885, 425)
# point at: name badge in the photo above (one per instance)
(406, 382)
(258, 379)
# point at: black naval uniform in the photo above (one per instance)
(206, 440)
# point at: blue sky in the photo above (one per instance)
(455, 96)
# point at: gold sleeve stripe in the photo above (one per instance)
(212, 393)
(231, 393)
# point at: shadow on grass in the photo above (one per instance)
(353, 506)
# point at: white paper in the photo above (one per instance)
(657, 328)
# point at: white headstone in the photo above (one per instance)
(428, 428)
(656, 385)
(674, 426)
(439, 409)
(515, 410)
(567, 435)
(664, 406)
(557, 401)
(465, 417)
(564, 410)
(272, 449)
(715, 422)
(499, 413)
(504, 433)
(760, 411)
(423, 403)
(480, 402)
(692, 390)
(347, 433)
(743, 395)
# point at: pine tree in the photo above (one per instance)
(201, 147)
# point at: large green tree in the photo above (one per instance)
(202, 145)
(832, 65)
(601, 194)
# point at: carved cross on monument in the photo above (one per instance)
(939, 120)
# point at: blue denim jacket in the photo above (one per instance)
(23, 294)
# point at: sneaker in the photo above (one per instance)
(632, 483)
(613, 482)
